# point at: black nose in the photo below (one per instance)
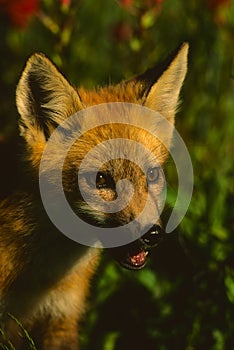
(154, 236)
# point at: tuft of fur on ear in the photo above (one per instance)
(161, 85)
(44, 99)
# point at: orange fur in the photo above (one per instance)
(44, 276)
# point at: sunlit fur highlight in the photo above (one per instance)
(44, 276)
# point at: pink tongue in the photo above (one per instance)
(139, 258)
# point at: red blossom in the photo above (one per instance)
(129, 3)
(19, 11)
(122, 31)
(157, 1)
(214, 4)
(66, 3)
(126, 3)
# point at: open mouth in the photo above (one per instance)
(134, 261)
(133, 256)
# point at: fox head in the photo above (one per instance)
(45, 100)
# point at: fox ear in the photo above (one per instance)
(44, 98)
(162, 84)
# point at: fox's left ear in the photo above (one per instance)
(161, 85)
(44, 99)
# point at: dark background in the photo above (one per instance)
(184, 298)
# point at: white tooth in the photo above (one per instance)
(146, 252)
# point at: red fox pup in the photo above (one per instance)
(44, 275)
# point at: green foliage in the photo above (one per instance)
(23, 333)
(184, 299)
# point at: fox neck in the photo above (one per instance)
(47, 256)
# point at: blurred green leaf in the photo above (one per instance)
(184, 297)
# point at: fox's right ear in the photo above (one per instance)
(161, 85)
(44, 99)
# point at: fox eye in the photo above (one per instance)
(101, 181)
(153, 175)
(104, 181)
